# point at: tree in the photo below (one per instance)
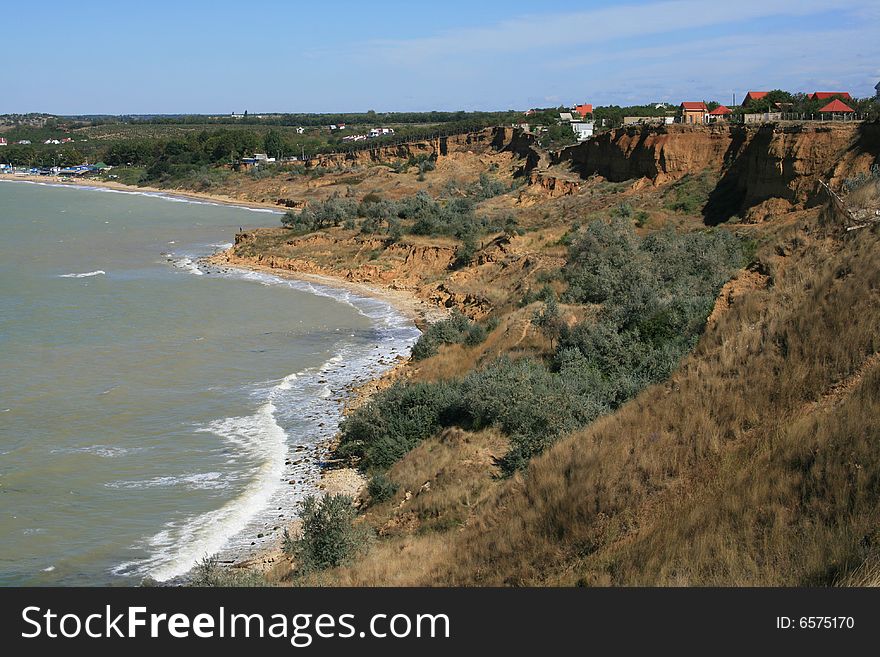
(549, 319)
(274, 144)
(768, 102)
(464, 254)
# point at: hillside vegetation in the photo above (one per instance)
(624, 395)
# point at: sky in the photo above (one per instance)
(265, 56)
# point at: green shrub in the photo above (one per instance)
(690, 194)
(475, 335)
(457, 329)
(329, 537)
(655, 293)
(465, 252)
(209, 573)
(381, 488)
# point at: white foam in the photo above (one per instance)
(103, 451)
(88, 274)
(287, 381)
(309, 402)
(180, 544)
(189, 265)
(198, 481)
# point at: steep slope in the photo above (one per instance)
(754, 164)
(757, 463)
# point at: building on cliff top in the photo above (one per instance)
(648, 120)
(825, 95)
(836, 106)
(693, 113)
(583, 130)
(720, 113)
(753, 95)
(584, 109)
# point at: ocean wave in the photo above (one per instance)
(103, 451)
(308, 404)
(88, 274)
(199, 481)
(180, 544)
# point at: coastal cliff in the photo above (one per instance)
(753, 164)
(773, 391)
(507, 140)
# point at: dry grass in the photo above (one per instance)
(756, 464)
(718, 477)
(443, 483)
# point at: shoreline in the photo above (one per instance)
(330, 477)
(204, 197)
(420, 311)
(332, 480)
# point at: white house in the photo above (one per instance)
(378, 132)
(24, 142)
(566, 117)
(583, 130)
(2, 141)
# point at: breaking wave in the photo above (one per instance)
(294, 418)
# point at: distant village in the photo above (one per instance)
(757, 107)
(832, 107)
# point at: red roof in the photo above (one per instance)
(754, 95)
(583, 110)
(822, 95)
(720, 111)
(837, 106)
(694, 107)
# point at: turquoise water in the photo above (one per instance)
(154, 411)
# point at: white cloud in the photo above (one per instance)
(592, 27)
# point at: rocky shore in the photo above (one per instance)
(335, 479)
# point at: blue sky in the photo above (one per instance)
(272, 56)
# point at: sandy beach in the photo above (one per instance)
(109, 184)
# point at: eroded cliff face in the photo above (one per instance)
(496, 139)
(753, 164)
(500, 270)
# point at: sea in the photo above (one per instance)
(154, 410)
